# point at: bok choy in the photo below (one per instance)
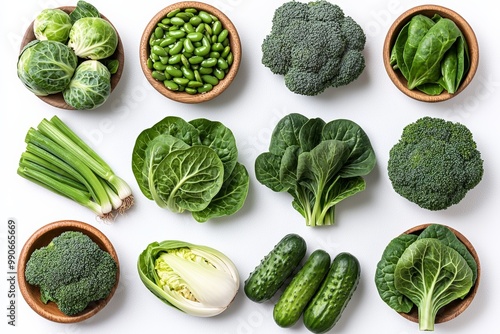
(59, 160)
(195, 279)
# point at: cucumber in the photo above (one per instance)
(275, 268)
(337, 288)
(301, 289)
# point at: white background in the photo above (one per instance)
(251, 107)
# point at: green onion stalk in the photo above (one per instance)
(59, 160)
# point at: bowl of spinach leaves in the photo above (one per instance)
(429, 274)
(431, 53)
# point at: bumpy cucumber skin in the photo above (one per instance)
(301, 289)
(335, 292)
(275, 268)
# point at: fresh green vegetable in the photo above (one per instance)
(195, 279)
(428, 271)
(432, 275)
(435, 163)
(62, 162)
(431, 54)
(83, 9)
(46, 67)
(318, 163)
(315, 46)
(328, 304)
(384, 275)
(90, 86)
(301, 289)
(93, 38)
(188, 53)
(72, 271)
(52, 24)
(273, 270)
(191, 166)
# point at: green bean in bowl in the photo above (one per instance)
(190, 52)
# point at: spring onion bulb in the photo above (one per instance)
(59, 160)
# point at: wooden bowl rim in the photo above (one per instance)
(456, 307)
(32, 293)
(429, 10)
(234, 42)
(57, 100)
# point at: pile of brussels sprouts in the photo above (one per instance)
(70, 55)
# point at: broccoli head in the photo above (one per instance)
(435, 163)
(315, 46)
(71, 271)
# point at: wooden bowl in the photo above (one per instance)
(234, 42)
(456, 307)
(429, 10)
(57, 100)
(41, 238)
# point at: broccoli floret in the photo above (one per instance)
(71, 271)
(315, 42)
(435, 163)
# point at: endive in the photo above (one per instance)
(195, 279)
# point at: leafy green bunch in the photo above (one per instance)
(191, 166)
(315, 46)
(428, 271)
(318, 163)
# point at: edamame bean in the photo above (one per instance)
(171, 85)
(158, 50)
(217, 47)
(175, 59)
(173, 13)
(191, 10)
(176, 73)
(177, 21)
(219, 74)
(187, 73)
(202, 51)
(230, 58)
(195, 59)
(195, 20)
(184, 16)
(188, 27)
(159, 32)
(205, 88)
(222, 64)
(191, 91)
(176, 48)
(209, 62)
(206, 70)
(167, 41)
(181, 81)
(214, 54)
(226, 51)
(176, 34)
(205, 16)
(195, 84)
(158, 75)
(217, 27)
(210, 79)
(149, 63)
(223, 36)
(197, 76)
(185, 61)
(157, 65)
(194, 36)
(200, 28)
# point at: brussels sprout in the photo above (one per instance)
(83, 9)
(93, 38)
(46, 67)
(52, 24)
(90, 86)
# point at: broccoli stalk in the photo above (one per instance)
(72, 271)
(435, 163)
(315, 46)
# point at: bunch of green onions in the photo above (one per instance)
(57, 159)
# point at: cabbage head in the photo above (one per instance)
(90, 86)
(93, 38)
(52, 24)
(46, 67)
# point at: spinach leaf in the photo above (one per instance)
(449, 69)
(417, 29)
(384, 274)
(156, 151)
(288, 167)
(267, 171)
(219, 138)
(431, 88)
(445, 235)
(398, 50)
(426, 65)
(462, 59)
(286, 133)
(310, 134)
(188, 179)
(230, 198)
(361, 158)
(431, 275)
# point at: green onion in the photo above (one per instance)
(58, 159)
